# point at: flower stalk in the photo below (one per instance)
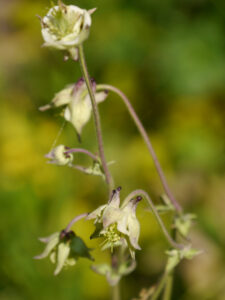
(84, 71)
(74, 220)
(84, 151)
(116, 292)
(146, 139)
(168, 287)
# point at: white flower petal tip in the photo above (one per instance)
(101, 96)
(91, 11)
(45, 107)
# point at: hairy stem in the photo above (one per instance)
(80, 150)
(72, 222)
(157, 216)
(146, 139)
(84, 70)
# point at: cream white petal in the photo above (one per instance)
(100, 96)
(67, 114)
(115, 201)
(62, 255)
(80, 110)
(48, 238)
(110, 215)
(134, 231)
(96, 213)
(49, 247)
(64, 96)
(122, 224)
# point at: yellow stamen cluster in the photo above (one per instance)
(112, 235)
(62, 24)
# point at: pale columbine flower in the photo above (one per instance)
(119, 226)
(59, 156)
(65, 27)
(78, 103)
(64, 248)
(78, 111)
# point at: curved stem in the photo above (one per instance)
(80, 150)
(159, 220)
(84, 70)
(72, 222)
(146, 139)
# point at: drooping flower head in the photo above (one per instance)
(65, 27)
(78, 103)
(64, 249)
(119, 226)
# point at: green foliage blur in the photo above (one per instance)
(169, 58)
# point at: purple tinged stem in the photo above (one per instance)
(84, 70)
(84, 151)
(76, 219)
(146, 139)
(140, 192)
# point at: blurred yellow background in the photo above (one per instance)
(169, 58)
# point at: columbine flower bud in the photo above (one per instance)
(64, 248)
(119, 226)
(59, 157)
(65, 27)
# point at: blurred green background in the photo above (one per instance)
(169, 58)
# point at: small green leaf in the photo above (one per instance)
(95, 170)
(98, 229)
(79, 249)
(183, 223)
(173, 260)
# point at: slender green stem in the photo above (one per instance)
(84, 70)
(146, 139)
(159, 288)
(157, 216)
(116, 292)
(168, 287)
